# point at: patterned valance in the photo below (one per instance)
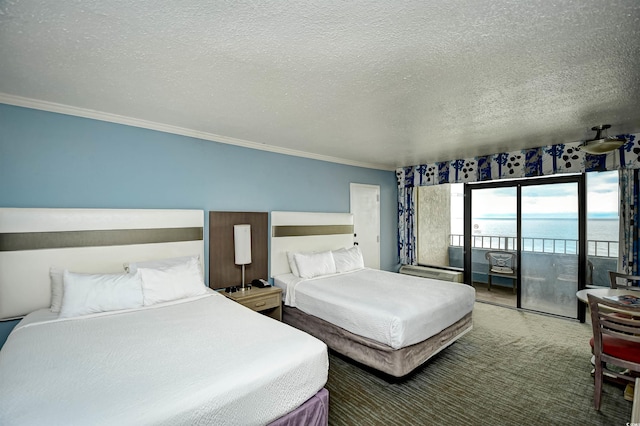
(534, 162)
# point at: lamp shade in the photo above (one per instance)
(242, 243)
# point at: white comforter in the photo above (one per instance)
(206, 360)
(394, 309)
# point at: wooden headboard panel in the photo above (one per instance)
(223, 272)
(307, 231)
(84, 240)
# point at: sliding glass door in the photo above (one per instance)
(550, 248)
(494, 236)
(526, 243)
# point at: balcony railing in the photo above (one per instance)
(539, 245)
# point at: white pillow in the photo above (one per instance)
(131, 267)
(171, 283)
(348, 259)
(292, 264)
(315, 264)
(57, 288)
(91, 293)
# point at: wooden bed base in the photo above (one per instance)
(395, 362)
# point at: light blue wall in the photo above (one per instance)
(55, 160)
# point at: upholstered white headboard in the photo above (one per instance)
(305, 232)
(84, 240)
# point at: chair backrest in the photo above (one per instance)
(619, 319)
(501, 261)
(624, 281)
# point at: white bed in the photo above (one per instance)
(385, 320)
(394, 309)
(196, 359)
(202, 360)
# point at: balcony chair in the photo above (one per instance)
(624, 281)
(615, 341)
(501, 264)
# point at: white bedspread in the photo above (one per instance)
(395, 309)
(207, 360)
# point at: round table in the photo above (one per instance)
(603, 292)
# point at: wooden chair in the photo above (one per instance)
(616, 340)
(624, 281)
(501, 264)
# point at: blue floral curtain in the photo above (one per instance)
(542, 161)
(628, 241)
(406, 228)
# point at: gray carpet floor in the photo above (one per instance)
(513, 368)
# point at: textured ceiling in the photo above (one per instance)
(381, 84)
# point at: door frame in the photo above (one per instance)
(580, 179)
(353, 188)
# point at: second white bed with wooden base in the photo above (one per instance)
(385, 320)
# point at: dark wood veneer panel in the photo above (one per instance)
(223, 272)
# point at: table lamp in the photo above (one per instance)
(242, 244)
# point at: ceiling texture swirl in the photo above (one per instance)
(376, 84)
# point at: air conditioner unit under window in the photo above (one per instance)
(435, 273)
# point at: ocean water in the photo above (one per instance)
(535, 230)
(561, 229)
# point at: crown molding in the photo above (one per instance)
(167, 128)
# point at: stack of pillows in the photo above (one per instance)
(316, 264)
(142, 284)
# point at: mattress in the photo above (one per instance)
(203, 360)
(394, 309)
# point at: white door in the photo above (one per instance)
(365, 208)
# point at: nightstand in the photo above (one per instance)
(267, 301)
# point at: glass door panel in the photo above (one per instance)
(494, 228)
(549, 257)
(538, 223)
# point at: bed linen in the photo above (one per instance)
(202, 360)
(314, 412)
(394, 309)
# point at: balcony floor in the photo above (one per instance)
(498, 295)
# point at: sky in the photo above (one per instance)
(549, 200)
